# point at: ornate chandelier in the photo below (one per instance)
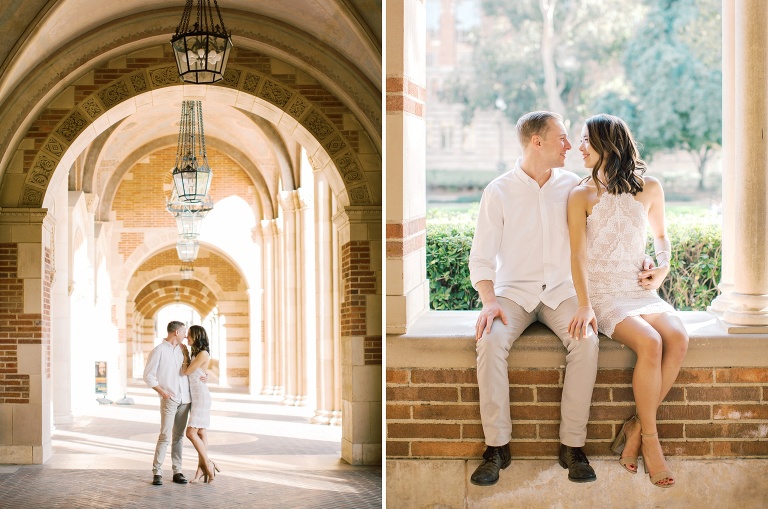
(189, 202)
(191, 175)
(201, 50)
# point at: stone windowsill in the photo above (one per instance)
(445, 339)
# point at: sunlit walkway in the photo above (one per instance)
(269, 456)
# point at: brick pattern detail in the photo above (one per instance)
(405, 96)
(358, 280)
(406, 237)
(220, 269)
(373, 350)
(710, 412)
(15, 328)
(141, 196)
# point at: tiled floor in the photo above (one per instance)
(269, 456)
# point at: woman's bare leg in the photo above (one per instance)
(674, 340)
(647, 343)
(193, 434)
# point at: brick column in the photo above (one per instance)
(750, 296)
(25, 335)
(361, 331)
(234, 361)
(407, 285)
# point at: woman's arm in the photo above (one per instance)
(662, 247)
(577, 230)
(200, 360)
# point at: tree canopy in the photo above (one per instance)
(655, 63)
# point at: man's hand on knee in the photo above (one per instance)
(484, 322)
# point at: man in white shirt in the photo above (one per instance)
(520, 265)
(163, 374)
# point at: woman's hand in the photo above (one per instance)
(651, 279)
(581, 321)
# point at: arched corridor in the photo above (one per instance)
(288, 276)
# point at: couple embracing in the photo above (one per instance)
(570, 254)
(179, 378)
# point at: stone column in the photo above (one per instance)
(307, 351)
(728, 243)
(61, 340)
(750, 296)
(361, 334)
(26, 271)
(291, 302)
(269, 381)
(407, 285)
(327, 305)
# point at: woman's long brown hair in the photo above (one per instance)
(611, 139)
(199, 340)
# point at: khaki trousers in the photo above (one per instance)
(173, 422)
(493, 379)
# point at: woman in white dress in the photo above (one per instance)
(607, 217)
(200, 412)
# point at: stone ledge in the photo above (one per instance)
(725, 483)
(445, 339)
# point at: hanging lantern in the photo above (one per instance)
(191, 175)
(201, 50)
(186, 272)
(187, 249)
(189, 216)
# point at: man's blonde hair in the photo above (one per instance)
(535, 122)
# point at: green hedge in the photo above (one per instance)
(690, 285)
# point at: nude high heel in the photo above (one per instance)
(200, 472)
(664, 475)
(618, 447)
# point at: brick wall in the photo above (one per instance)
(219, 268)
(710, 412)
(133, 203)
(15, 328)
(358, 280)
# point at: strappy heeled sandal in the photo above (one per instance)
(618, 447)
(658, 477)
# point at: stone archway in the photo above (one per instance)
(58, 136)
(340, 150)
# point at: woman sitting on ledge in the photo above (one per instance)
(607, 222)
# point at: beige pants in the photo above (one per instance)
(173, 422)
(493, 379)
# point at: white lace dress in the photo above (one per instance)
(200, 412)
(616, 237)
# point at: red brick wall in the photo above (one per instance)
(15, 328)
(710, 412)
(358, 280)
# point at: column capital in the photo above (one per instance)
(357, 215)
(10, 215)
(270, 227)
(296, 199)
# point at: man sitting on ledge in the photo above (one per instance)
(520, 265)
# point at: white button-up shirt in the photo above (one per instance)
(164, 369)
(521, 242)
